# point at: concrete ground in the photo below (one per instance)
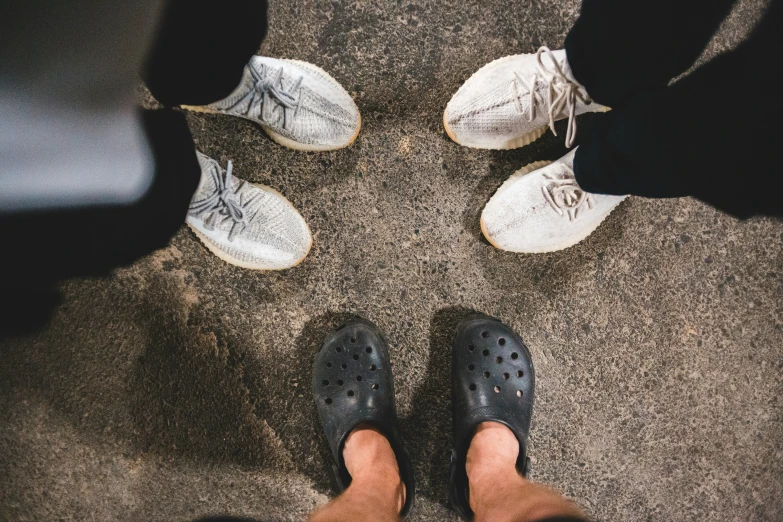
(179, 387)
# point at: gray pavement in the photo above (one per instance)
(179, 387)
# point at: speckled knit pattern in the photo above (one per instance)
(296, 100)
(542, 209)
(508, 99)
(273, 236)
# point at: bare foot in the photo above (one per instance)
(376, 492)
(370, 460)
(497, 491)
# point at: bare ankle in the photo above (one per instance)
(493, 449)
(372, 464)
(491, 464)
(497, 492)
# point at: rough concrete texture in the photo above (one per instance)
(179, 387)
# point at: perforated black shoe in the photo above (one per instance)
(492, 381)
(352, 385)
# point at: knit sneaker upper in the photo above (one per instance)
(541, 208)
(250, 225)
(296, 100)
(515, 97)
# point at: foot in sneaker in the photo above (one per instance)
(542, 209)
(296, 103)
(510, 102)
(247, 225)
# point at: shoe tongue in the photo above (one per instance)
(207, 185)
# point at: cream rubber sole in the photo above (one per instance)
(274, 136)
(244, 264)
(572, 241)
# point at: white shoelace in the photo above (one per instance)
(269, 86)
(564, 195)
(222, 202)
(562, 94)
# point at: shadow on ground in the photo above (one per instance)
(190, 398)
(282, 383)
(428, 431)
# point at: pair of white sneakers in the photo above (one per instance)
(507, 104)
(299, 106)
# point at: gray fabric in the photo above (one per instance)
(262, 227)
(69, 132)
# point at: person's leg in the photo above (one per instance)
(201, 49)
(713, 135)
(618, 49)
(193, 60)
(493, 388)
(353, 388)
(498, 493)
(376, 491)
(93, 241)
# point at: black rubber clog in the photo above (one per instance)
(352, 385)
(492, 380)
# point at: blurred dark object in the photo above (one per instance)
(88, 182)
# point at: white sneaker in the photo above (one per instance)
(542, 209)
(510, 102)
(247, 225)
(296, 103)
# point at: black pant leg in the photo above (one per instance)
(713, 135)
(46, 247)
(198, 57)
(201, 49)
(620, 48)
(93, 241)
(139, 229)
